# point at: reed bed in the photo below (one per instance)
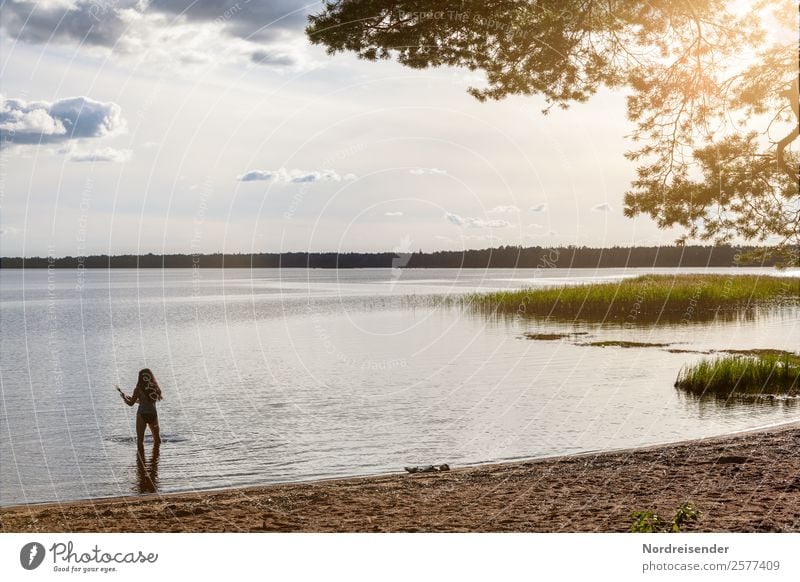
(672, 297)
(766, 374)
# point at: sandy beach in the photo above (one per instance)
(748, 482)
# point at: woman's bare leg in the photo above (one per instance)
(156, 432)
(140, 426)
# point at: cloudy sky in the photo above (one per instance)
(212, 125)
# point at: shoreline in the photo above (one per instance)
(334, 479)
(746, 481)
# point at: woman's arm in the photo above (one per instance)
(133, 398)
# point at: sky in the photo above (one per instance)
(182, 126)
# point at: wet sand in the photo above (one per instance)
(743, 483)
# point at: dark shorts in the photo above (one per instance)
(149, 417)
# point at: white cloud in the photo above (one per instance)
(541, 207)
(61, 121)
(454, 218)
(263, 20)
(272, 58)
(604, 207)
(101, 155)
(428, 171)
(9, 231)
(478, 223)
(185, 32)
(92, 22)
(295, 176)
(486, 237)
(194, 57)
(257, 176)
(470, 222)
(504, 209)
(393, 213)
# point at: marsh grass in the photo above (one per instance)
(552, 336)
(645, 298)
(625, 344)
(760, 374)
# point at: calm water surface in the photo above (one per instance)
(286, 375)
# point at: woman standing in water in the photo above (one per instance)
(146, 393)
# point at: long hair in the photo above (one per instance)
(148, 386)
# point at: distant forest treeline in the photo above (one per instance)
(502, 257)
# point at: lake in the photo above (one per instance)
(286, 375)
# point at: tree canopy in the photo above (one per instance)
(712, 89)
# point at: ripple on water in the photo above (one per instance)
(165, 438)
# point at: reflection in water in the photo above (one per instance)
(147, 473)
(625, 318)
(709, 404)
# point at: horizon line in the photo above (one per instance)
(385, 252)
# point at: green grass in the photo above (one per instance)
(645, 298)
(762, 374)
(651, 522)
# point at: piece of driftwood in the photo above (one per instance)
(428, 468)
